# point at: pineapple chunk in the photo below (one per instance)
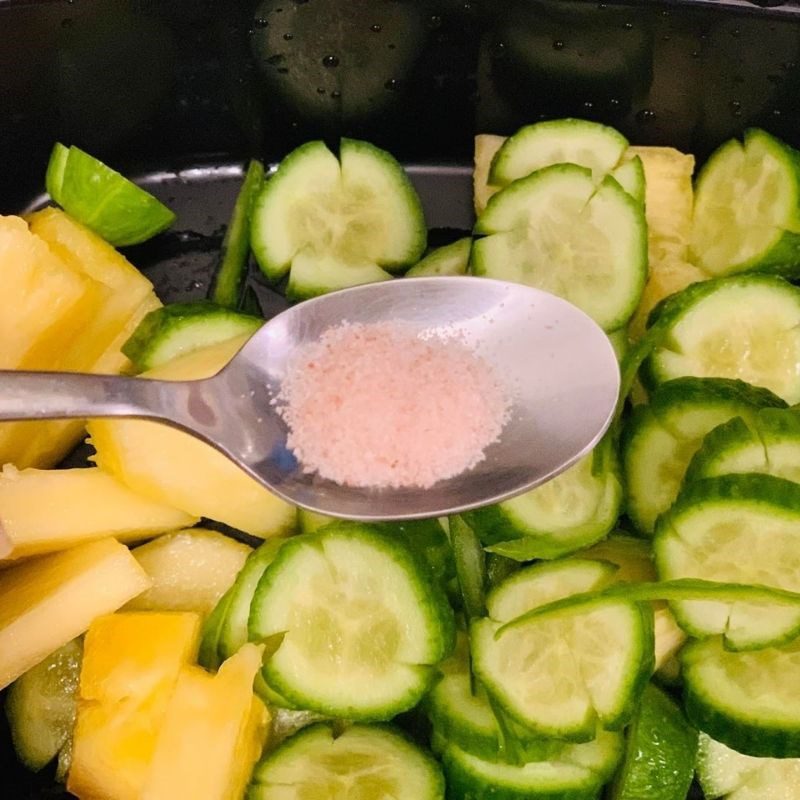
(46, 510)
(126, 297)
(172, 467)
(190, 570)
(131, 664)
(44, 444)
(87, 254)
(213, 733)
(486, 145)
(47, 601)
(48, 303)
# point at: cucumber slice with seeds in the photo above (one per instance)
(562, 676)
(359, 624)
(578, 772)
(563, 141)
(450, 259)
(660, 439)
(745, 327)
(41, 706)
(723, 772)
(769, 443)
(574, 510)
(363, 762)
(557, 231)
(336, 222)
(739, 529)
(747, 208)
(748, 701)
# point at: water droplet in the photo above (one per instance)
(288, 37)
(628, 26)
(336, 94)
(276, 59)
(695, 54)
(260, 22)
(376, 28)
(735, 32)
(645, 115)
(435, 21)
(320, 90)
(498, 50)
(392, 84)
(588, 105)
(330, 61)
(614, 102)
(467, 6)
(776, 112)
(558, 45)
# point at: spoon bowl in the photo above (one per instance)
(559, 366)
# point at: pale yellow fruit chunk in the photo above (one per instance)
(45, 602)
(131, 664)
(212, 734)
(172, 467)
(190, 570)
(46, 510)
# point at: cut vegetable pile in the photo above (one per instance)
(627, 627)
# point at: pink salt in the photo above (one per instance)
(377, 406)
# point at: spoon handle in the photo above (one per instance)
(64, 395)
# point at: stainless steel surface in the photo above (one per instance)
(561, 371)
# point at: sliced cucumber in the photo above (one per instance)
(450, 259)
(630, 176)
(466, 717)
(748, 701)
(232, 270)
(363, 762)
(336, 222)
(723, 772)
(486, 145)
(769, 443)
(660, 752)
(560, 676)
(41, 706)
(209, 653)
(578, 772)
(745, 327)
(310, 521)
(360, 623)
(563, 141)
(747, 208)
(738, 529)
(661, 438)
(557, 231)
(181, 328)
(620, 342)
(574, 510)
(233, 633)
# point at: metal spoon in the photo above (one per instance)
(559, 363)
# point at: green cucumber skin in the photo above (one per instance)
(232, 269)
(209, 655)
(737, 731)
(783, 258)
(732, 397)
(672, 308)
(658, 782)
(54, 178)
(298, 741)
(450, 259)
(155, 331)
(463, 784)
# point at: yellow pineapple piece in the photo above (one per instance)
(172, 467)
(44, 444)
(47, 303)
(45, 602)
(125, 297)
(46, 510)
(486, 145)
(89, 255)
(131, 663)
(212, 735)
